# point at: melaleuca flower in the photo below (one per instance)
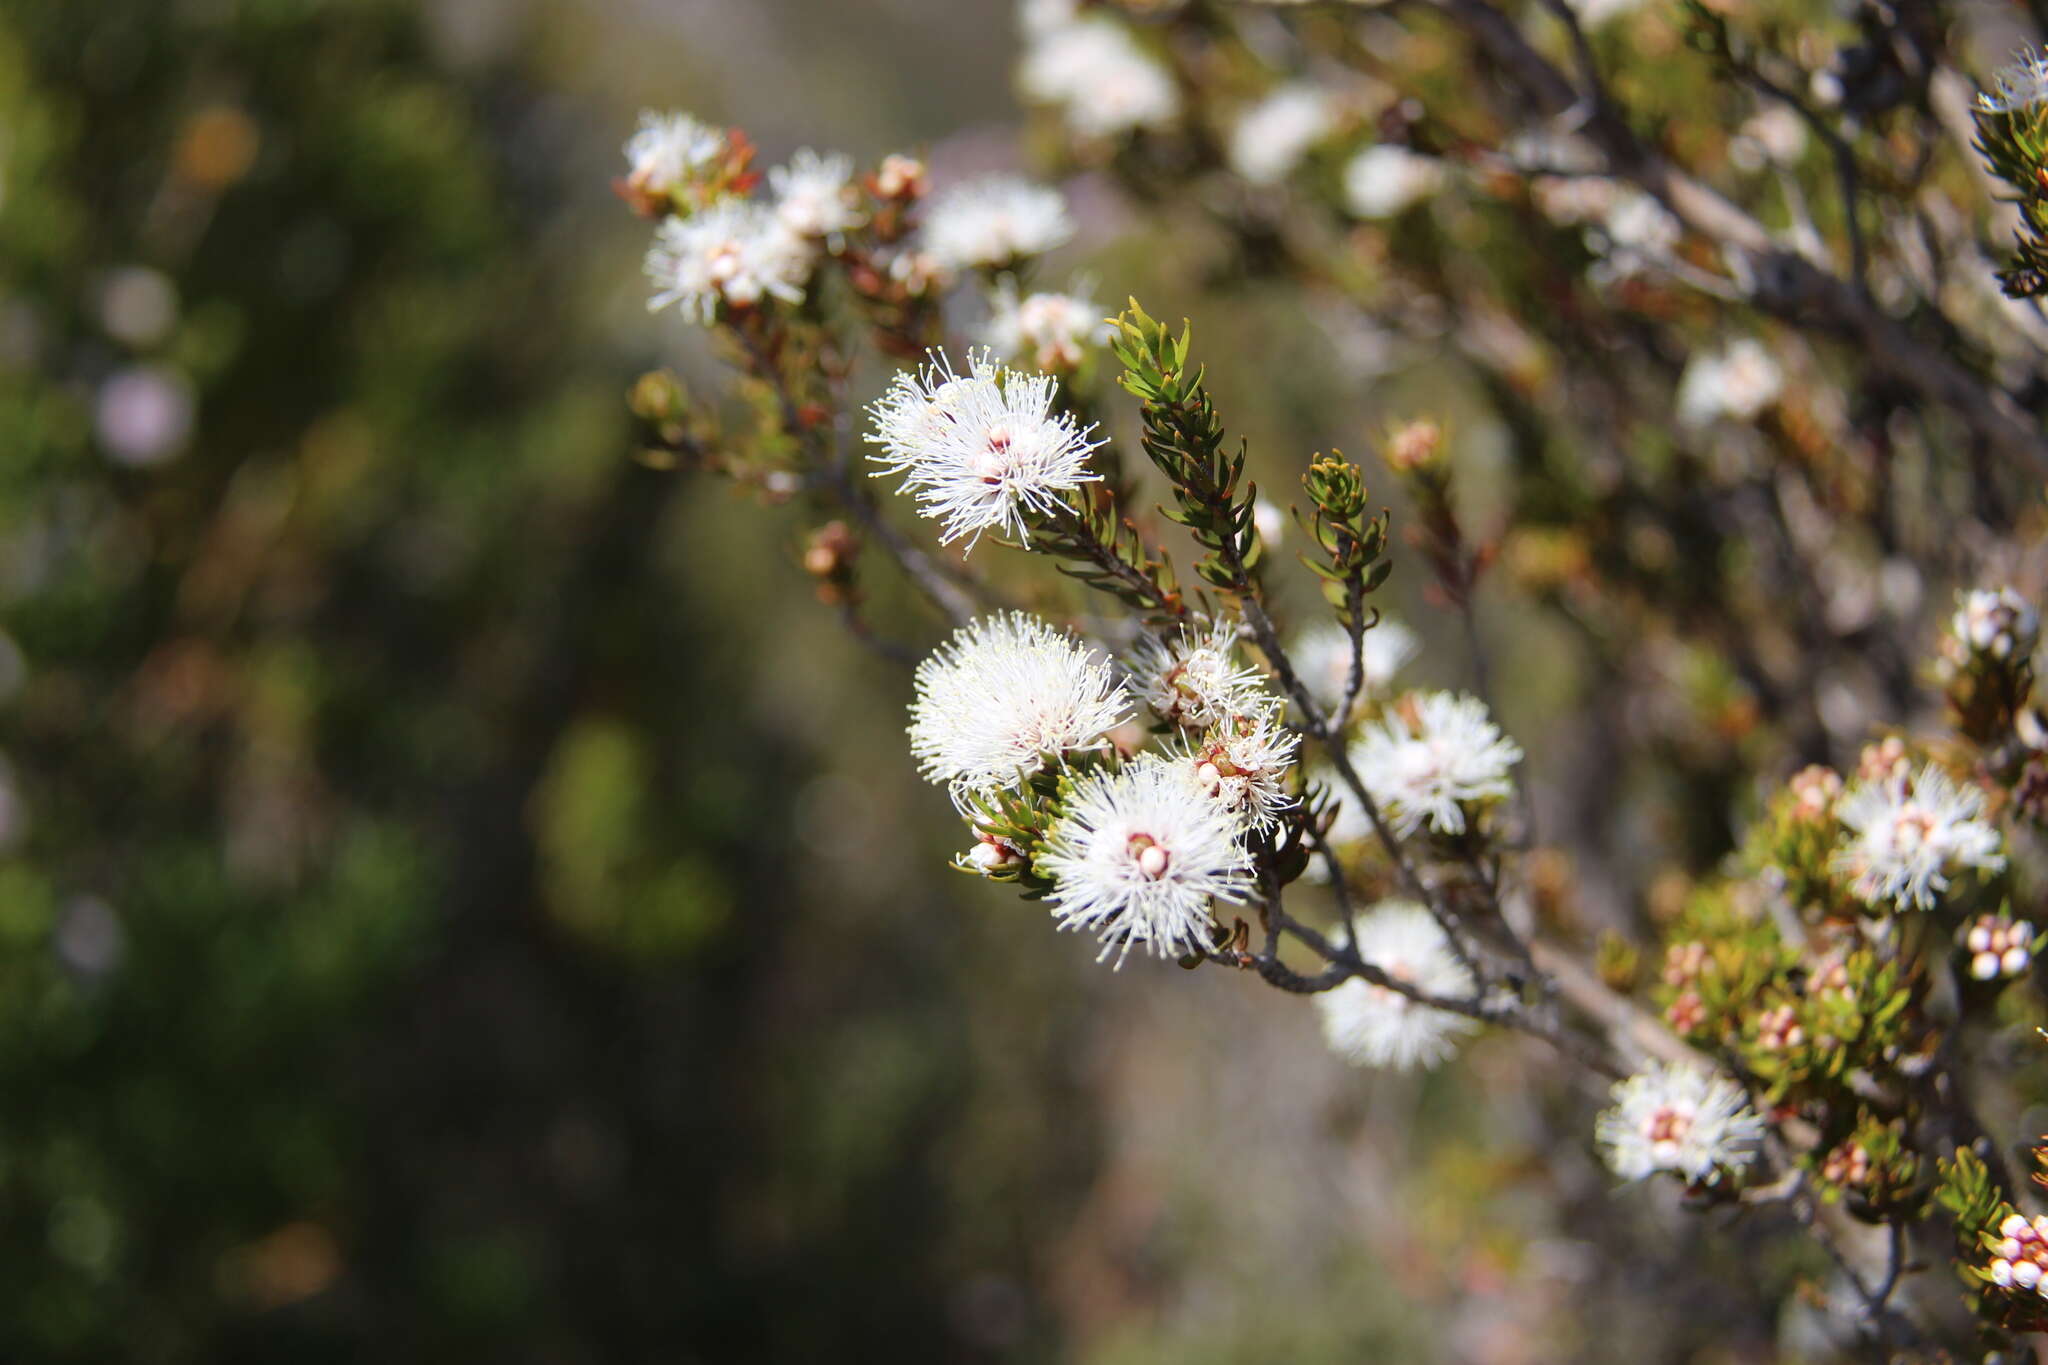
(1430, 757)
(1137, 855)
(734, 252)
(1905, 838)
(815, 198)
(1194, 679)
(1373, 1025)
(995, 221)
(1242, 763)
(1322, 660)
(1103, 83)
(1384, 180)
(1738, 383)
(1003, 695)
(979, 450)
(668, 152)
(1046, 331)
(1996, 622)
(1679, 1118)
(1272, 136)
(2018, 86)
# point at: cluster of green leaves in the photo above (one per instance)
(2014, 144)
(1184, 437)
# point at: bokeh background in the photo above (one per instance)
(461, 898)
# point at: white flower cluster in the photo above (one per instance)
(1270, 138)
(1997, 622)
(1046, 330)
(980, 450)
(1003, 695)
(1385, 180)
(1738, 383)
(2018, 86)
(994, 222)
(1432, 760)
(1908, 834)
(1373, 1025)
(1694, 1123)
(1134, 852)
(1104, 84)
(734, 252)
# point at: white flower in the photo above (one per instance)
(995, 221)
(1738, 383)
(668, 151)
(1998, 622)
(1103, 82)
(1001, 695)
(1242, 763)
(1634, 231)
(1382, 181)
(1432, 755)
(733, 252)
(1322, 660)
(1194, 679)
(1036, 17)
(1775, 135)
(980, 450)
(1046, 331)
(1907, 836)
(1679, 1118)
(814, 196)
(1273, 135)
(1372, 1025)
(1137, 855)
(2020, 85)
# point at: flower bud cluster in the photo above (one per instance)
(1999, 947)
(2019, 1255)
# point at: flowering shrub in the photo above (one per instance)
(1716, 362)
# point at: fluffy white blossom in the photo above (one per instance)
(733, 252)
(1998, 622)
(1242, 763)
(1136, 857)
(2020, 85)
(1679, 1118)
(1047, 331)
(1270, 138)
(815, 197)
(1384, 180)
(1907, 835)
(995, 221)
(979, 450)
(1322, 660)
(668, 151)
(1373, 1025)
(1738, 383)
(1432, 755)
(1103, 82)
(1194, 679)
(1003, 693)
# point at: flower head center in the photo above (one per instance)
(1150, 856)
